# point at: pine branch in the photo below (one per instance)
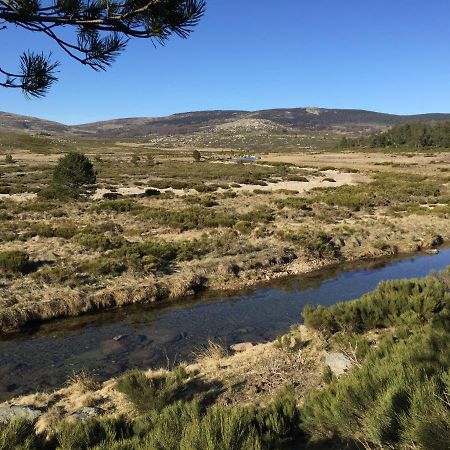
(37, 74)
(102, 30)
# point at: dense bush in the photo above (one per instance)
(158, 254)
(166, 423)
(397, 399)
(98, 241)
(9, 159)
(196, 156)
(66, 231)
(19, 434)
(299, 203)
(103, 266)
(393, 303)
(317, 243)
(14, 262)
(196, 217)
(387, 189)
(118, 206)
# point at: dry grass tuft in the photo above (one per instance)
(83, 381)
(212, 351)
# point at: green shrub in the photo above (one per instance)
(393, 303)
(317, 243)
(102, 242)
(103, 266)
(87, 434)
(395, 400)
(279, 420)
(387, 189)
(297, 178)
(166, 423)
(262, 214)
(196, 217)
(152, 394)
(14, 262)
(118, 206)
(66, 231)
(205, 187)
(41, 229)
(174, 184)
(222, 428)
(152, 192)
(244, 226)
(298, 203)
(19, 434)
(328, 376)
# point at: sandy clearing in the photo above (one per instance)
(300, 186)
(23, 197)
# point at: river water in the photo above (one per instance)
(144, 336)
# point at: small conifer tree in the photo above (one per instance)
(73, 173)
(196, 155)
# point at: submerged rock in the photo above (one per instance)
(8, 413)
(338, 363)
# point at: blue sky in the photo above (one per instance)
(384, 55)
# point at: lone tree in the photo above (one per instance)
(100, 30)
(71, 176)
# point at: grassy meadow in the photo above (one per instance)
(158, 225)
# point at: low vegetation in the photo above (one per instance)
(14, 262)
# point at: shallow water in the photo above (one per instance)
(147, 336)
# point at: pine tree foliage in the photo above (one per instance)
(415, 135)
(100, 31)
(71, 177)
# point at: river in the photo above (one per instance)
(144, 336)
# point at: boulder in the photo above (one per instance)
(241, 347)
(87, 412)
(338, 363)
(8, 413)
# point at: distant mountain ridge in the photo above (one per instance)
(193, 122)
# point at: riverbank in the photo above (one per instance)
(215, 276)
(325, 383)
(249, 374)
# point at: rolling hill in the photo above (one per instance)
(293, 119)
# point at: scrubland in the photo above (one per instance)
(160, 226)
